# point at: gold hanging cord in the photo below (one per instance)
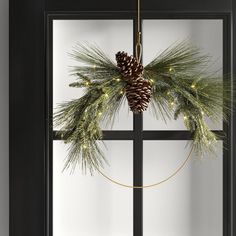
(138, 48)
(138, 54)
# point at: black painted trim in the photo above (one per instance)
(137, 159)
(145, 135)
(49, 124)
(233, 124)
(227, 156)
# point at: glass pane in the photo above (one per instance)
(160, 34)
(90, 205)
(104, 33)
(191, 202)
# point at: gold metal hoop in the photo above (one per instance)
(150, 185)
(138, 52)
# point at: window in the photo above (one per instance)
(140, 149)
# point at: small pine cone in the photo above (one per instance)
(128, 65)
(138, 90)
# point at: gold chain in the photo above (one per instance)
(150, 185)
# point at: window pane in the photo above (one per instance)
(160, 34)
(90, 205)
(191, 202)
(104, 33)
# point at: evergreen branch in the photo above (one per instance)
(80, 119)
(91, 55)
(182, 86)
(177, 58)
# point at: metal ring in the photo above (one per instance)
(150, 185)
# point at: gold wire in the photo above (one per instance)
(150, 185)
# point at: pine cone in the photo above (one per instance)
(128, 65)
(138, 90)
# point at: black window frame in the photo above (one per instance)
(138, 135)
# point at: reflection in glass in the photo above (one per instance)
(191, 202)
(90, 205)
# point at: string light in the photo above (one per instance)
(172, 104)
(84, 146)
(118, 79)
(87, 83)
(193, 86)
(99, 113)
(106, 95)
(152, 81)
(171, 69)
(185, 117)
(121, 92)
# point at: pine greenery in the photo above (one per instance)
(181, 88)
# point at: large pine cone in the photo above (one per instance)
(138, 90)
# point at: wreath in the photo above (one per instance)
(173, 85)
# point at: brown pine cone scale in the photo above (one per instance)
(138, 90)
